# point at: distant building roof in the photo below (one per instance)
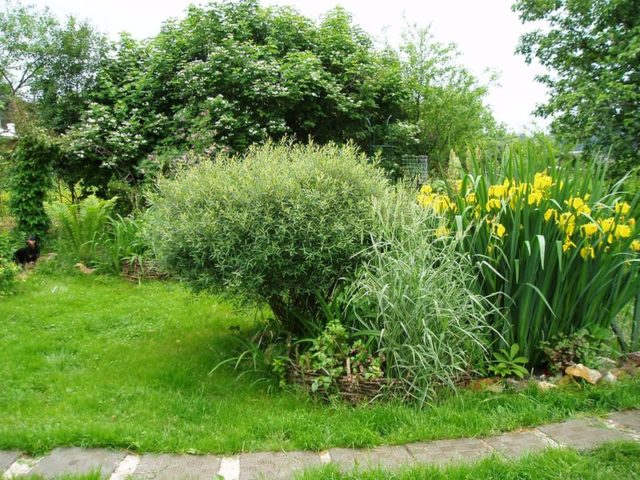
(9, 132)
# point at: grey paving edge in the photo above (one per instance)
(7, 458)
(583, 434)
(516, 444)
(78, 461)
(166, 467)
(580, 434)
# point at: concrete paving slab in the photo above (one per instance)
(629, 419)
(388, 457)
(276, 465)
(172, 467)
(442, 452)
(517, 444)
(582, 434)
(7, 458)
(63, 461)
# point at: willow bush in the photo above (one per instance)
(280, 225)
(555, 244)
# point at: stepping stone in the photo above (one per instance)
(387, 457)
(169, 467)
(442, 452)
(517, 444)
(582, 434)
(275, 465)
(64, 461)
(6, 459)
(629, 419)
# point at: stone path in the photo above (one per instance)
(579, 434)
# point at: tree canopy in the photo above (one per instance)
(592, 51)
(227, 76)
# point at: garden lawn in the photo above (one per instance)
(97, 361)
(612, 461)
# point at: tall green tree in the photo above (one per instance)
(49, 63)
(27, 43)
(446, 104)
(592, 51)
(227, 76)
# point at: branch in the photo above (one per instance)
(13, 90)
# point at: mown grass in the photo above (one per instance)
(612, 461)
(97, 361)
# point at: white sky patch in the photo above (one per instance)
(486, 33)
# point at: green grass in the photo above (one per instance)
(619, 461)
(97, 361)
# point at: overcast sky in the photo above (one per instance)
(486, 32)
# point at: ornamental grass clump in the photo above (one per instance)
(417, 298)
(280, 225)
(555, 244)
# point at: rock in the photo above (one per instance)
(580, 371)
(487, 384)
(633, 358)
(606, 362)
(515, 384)
(619, 372)
(609, 378)
(84, 269)
(566, 380)
(544, 385)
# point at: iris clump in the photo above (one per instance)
(555, 244)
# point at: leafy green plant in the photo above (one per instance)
(281, 225)
(579, 347)
(507, 363)
(81, 227)
(334, 354)
(123, 242)
(416, 298)
(30, 178)
(4, 204)
(265, 354)
(8, 269)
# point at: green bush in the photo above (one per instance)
(30, 178)
(81, 227)
(416, 296)
(281, 225)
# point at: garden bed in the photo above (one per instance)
(351, 388)
(135, 270)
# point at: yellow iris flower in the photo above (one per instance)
(622, 208)
(551, 213)
(542, 181)
(589, 229)
(497, 191)
(567, 245)
(623, 231)
(493, 203)
(535, 197)
(587, 252)
(579, 205)
(499, 230)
